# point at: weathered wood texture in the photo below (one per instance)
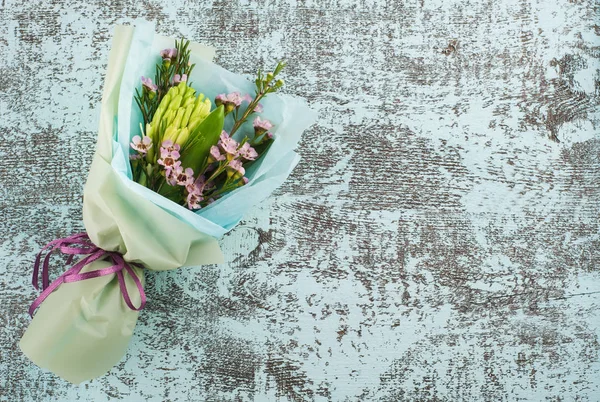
(436, 243)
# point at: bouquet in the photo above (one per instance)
(180, 158)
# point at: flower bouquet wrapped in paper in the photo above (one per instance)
(180, 159)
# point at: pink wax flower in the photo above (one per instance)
(167, 161)
(170, 147)
(141, 145)
(169, 154)
(235, 98)
(168, 54)
(179, 78)
(195, 191)
(185, 177)
(235, 168)
(228, 144)
(193, 200)
(177, 175)
(215, 155)
(171, 173)
(148, 84)
(264, 124)
(197, 186)
(261, 126)
(247, 152)
(231, 101)
(166, 153)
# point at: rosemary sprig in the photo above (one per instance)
(265, 84)
(179, 64)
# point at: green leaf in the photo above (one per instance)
(279, 67)
(173, 193)
(201, 139)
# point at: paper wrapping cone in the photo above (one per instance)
(83, 328)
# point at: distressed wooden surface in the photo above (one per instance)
(436, 243)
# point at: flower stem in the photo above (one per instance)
(160, 187)
(217, 172)
(249, 110)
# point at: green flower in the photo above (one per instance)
(180, 112)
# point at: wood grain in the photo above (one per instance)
(438, 242)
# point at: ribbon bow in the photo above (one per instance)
(80, 244)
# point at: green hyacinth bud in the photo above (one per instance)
(186, 116)
(182, 136)
(170, 134)
(175, 102)
(189, 91)
(201, 110)
(178, 117)
(179, 113)
(188, 101)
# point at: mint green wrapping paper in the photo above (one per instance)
(83, 328)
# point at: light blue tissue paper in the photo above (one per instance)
(290, 116)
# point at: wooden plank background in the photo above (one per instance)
(438, 242)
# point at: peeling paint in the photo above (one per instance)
(438, 241)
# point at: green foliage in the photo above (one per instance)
(195, 151)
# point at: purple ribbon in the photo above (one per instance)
(80, 244)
